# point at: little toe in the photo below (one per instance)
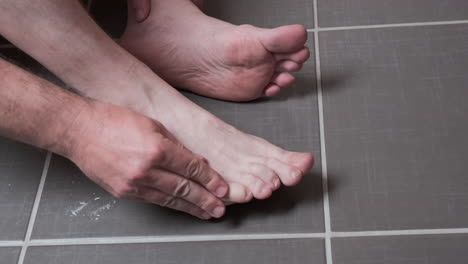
(283, 79)
(271, 90)
(299, 56)
(288, 65)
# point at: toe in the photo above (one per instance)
(287, 65)
(299, 56)
(283, 39)
(258, 187)
(271, 90)
(266, 174)
(283, 79)
(289, 175)
(302, 161)
(238, 193)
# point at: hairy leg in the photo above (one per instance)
(68, 42)
(35, 111)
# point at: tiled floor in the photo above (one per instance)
(20, 171)
(386, 120)
(396, 132)
(9, 254)
(338, 13)
(292, 251)
(430, 249)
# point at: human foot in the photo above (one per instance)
(252, 166)
(213, 58)
(246, 162)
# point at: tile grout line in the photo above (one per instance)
(403, 232)
(11, 243)
(198, 238)
(168, 239)
(323, 152)
(35, 208)
(394, 25)
(327, 235)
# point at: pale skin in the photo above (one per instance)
(221, 60)
(148, 164)
(61, 36)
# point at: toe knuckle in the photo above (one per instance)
(182, 189)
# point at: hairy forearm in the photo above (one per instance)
(35, 111)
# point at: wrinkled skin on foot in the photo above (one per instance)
(210, 57)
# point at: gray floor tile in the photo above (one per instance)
(434, 249)
(229, 252)
(9, 255)
(395, 122)
(72, 206)
(264, 13)
(365, 12)
(20, 172)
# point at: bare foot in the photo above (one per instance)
(213, 58)
(101, 69)
(252, 166)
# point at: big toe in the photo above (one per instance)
(302, 161)
(292, 166)
(284, 39)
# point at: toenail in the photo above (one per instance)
(260, 186)
(221, 191)
(218, 211)
(265, 191)
(295, 174)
